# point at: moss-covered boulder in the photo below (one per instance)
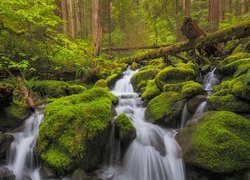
(182, 72)
(139, 79)
(54, 89)
(218, 141)
(192, 89)
(165, 108)
(13, 116)
(236, 64)
(126, 129)
(135, 66)
(150, 91)
(194, 102)
(74, 130)
(6, 93)
(101, 83)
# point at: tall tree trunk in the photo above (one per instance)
(64, 11)
(96, 27)
(214, 13)
(237, 6)
(178, 17)
(109, 25)
(187, 8)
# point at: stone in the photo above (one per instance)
(194, 102)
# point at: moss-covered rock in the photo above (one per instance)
(139, 79)
(218, 141)
(192, 89)
(54, 89)
(6, 93)
(135, 66)
(165, 108)
(235, 64)
(182, 72)
(13, 116)
(73, 132)
(126, 129)
(227, 102)
(101, 83)
(150, 91)
(5, 142)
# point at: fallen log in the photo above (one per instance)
(135, 48)
(237, 32)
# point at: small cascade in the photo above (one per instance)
(154, 154)
(201, 108)
(210, 81)
(184, 116)
(22, 159)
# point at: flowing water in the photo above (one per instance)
(210, 81)
(184, 116)
(153, 155)
(22, 159)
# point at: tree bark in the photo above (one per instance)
(187, 8)
(214, 13)
(237, 32)
(96, 27)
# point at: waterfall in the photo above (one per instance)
(210, 81)
(201, 108)
(154, 154)
(184, 116)
(22, 159)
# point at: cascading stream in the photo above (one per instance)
(154, 154)
(22, 159)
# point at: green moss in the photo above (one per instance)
(177, 87)
(101, 83)
(166, 107)
(139, 79)
(182, 72)
(112, 79)
(150, 91)
(227, 102)
(125, 126)
(54, 89)
(77, 126)
(234, 64)
(135, 66)
(221, 142)
(247, 78)
(192, 89)
(17, 110)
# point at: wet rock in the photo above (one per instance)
(47, 173)
(195, 102)
(79, 174)
(6, 174)
(5, 142)
(6, 93)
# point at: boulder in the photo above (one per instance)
(194, 102)
(5, 142)
(217, 141)
(6, 93)
(73, 133)
(6, 174)
(166, 108)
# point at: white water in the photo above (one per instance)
(201, 108)
(184, 116)
(154, 154)
(22, 159)
(210, 81)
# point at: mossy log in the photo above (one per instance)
(237, 32)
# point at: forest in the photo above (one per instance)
(125, 89)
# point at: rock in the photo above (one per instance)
(217, 141)
(73, 133)
(181, 73)
(192, 89)
(6, 174)
(101, 83)
(5, 142)
(166, 108)
(150, 91)
(47, 173)
(127, 132)
(6, 93)
(79, 174)
(13, 116)
(195, 102)
(139, 79)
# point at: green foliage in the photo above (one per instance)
(76, 126)
(221, 142)
(101, 83)
(166, 107)
(231, 20)
(192, 89)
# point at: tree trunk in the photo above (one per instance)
(64, 11)
(109, 25)
(214, 13)
(96, 27)
(187, 8)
